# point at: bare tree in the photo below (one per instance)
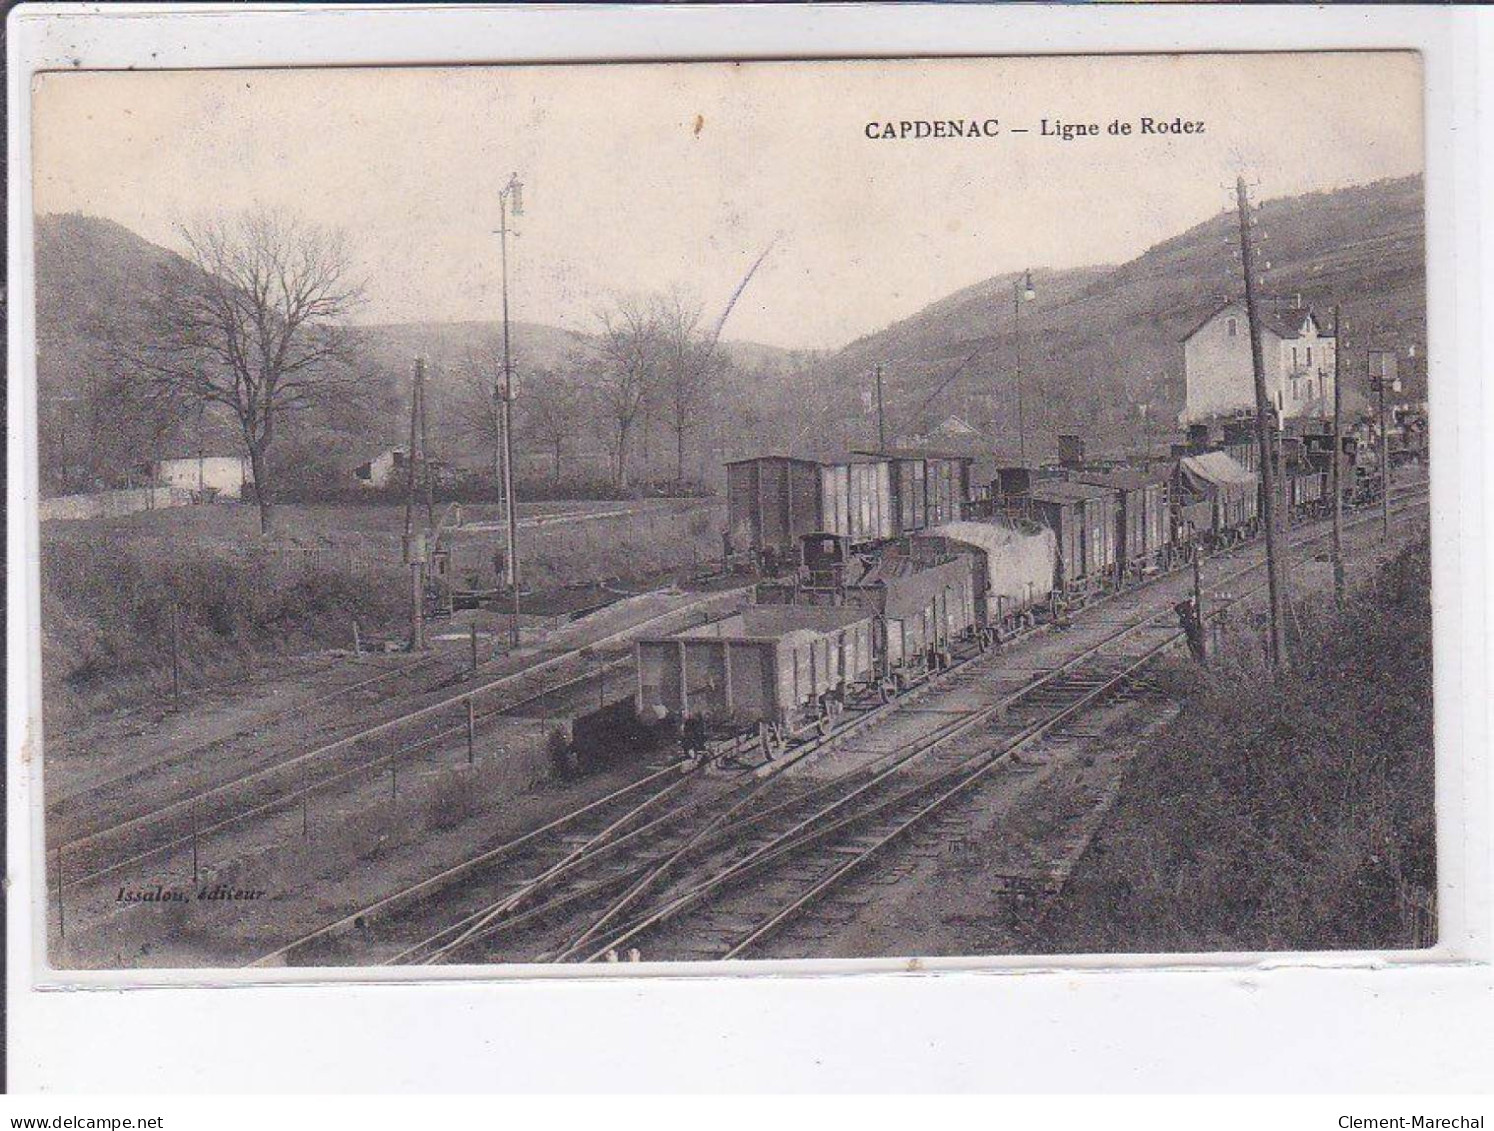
(630, 349)
(552, 409)
(689, 358)
(252, 319)
(477, 405)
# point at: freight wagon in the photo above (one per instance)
(1014, 567)
(771, 502)
(1082, 519)
(1143, 524)
(923, 606)
(1217, 502)
(928, 488)
(767, 674)
(856, 500)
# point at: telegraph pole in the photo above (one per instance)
(425, 457)
(881, 415)
(415, 544)
(1381, 381)
(1017, 364)
(1262, 434)
(1338, 456)
(505, 395)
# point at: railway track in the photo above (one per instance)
(97, 852)
(628, 884)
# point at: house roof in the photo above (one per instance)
(1284, 324)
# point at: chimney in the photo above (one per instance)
(1070, 450)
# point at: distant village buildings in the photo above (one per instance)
(391, 468)
(1220, 377)
(222, 477)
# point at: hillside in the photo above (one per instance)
(1099, 342)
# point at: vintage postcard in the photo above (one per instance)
(594, 515)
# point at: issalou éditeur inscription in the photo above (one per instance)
(983, 128)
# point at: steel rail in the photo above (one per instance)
(456, 872)
(964, 777)
(787, 842)
(855, 724)
(323, 751)
(528, 888)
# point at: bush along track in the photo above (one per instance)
(1279, 813)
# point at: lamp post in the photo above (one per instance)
(1021, 292)
(510, 196)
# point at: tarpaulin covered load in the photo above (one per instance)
(1017, 561)
(1234, 491)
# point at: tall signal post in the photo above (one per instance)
(1338, 457)
(511, 196)
(415, 548)
(1021, 292)
(1263, 429)
(881, 415)
(1382, 373)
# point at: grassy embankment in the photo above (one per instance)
(107, 586)
(1280, 813)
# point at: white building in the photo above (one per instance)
(223, 477)
(380, 470)
(1220, 379)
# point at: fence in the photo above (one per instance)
(112, 504)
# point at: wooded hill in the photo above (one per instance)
(1097, 344)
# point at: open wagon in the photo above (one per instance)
(769, 675)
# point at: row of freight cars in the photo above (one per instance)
(773, 501)
(887, 565)
(1113, 522)
(847, 630)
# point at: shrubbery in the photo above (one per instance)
(1290, 813)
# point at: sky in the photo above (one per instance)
(642, 178)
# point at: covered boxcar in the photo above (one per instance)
(771, 502)
(1013, 568)
(928, 488)
(1143, 523)
(768, 673)
(1231, 493)
(1082, 518)
(856, 500)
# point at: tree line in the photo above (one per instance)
(249, 329)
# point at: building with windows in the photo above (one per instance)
(1297, 353)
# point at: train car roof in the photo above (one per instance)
(1124, 478)
(762, 458)
(912, 453)
(1067, 491)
